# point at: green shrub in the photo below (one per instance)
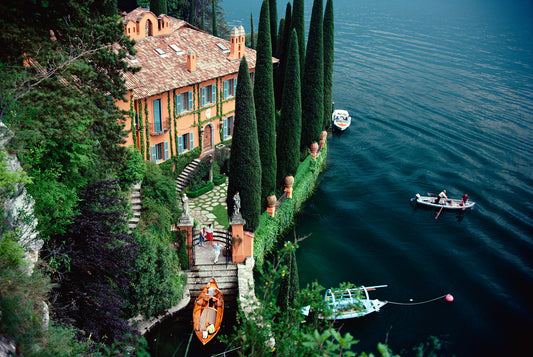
(201, 172)
(219, 179)
(133, 169)
(199, 189)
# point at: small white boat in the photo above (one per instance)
(341, 119)
(349, 303)
(449, 204)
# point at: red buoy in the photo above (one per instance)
(449, 297)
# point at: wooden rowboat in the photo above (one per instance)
(449, 204)
(208, 312)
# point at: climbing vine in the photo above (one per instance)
(170, 120)
(133, 129)
(147, 130)
(141, 128)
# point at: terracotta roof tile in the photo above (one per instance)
(163, 72)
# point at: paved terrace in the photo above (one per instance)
(200, 209)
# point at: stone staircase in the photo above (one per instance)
(136, 206)
(225, 276)
(183, 179)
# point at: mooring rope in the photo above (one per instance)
(447, 296)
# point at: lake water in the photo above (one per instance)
(441, 97)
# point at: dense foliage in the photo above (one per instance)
(264, 105)
(156, 282)
(245, 164)
(290, 123)
(329, 46)
(313, 80)
(97, 279)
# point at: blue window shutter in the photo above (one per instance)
(230, 126)
(180, 144)
(213, 93)
(179, 108)
(234, 86)
(166, 151)
(190, 101)
(157, 115)
(191, 141)
(225, 131)
(153, 152)
(226, 85)
(203, 96)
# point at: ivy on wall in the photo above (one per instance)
(133, 129)
(147, 150)
(141, 128)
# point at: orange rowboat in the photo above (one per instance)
(208, 312)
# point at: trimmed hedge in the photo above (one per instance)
(200, 189)
(271, 228)
(219, 179)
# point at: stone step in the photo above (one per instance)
(136, 207)
(135, 220)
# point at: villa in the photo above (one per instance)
(184, 95)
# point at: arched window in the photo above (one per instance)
(148, 28)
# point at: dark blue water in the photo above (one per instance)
(441, 95)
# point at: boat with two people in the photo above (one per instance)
(208, 312)
(348, 303)
(341, 119)
(444, 203)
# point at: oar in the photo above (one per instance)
(437, 216)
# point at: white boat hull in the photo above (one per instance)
(448, 204)
(341, 119)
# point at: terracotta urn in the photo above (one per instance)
(271, 205)
(323, 137)
(314, 148)
(289, 181)
(271, 200)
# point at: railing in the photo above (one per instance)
(165, 127)
(221, 236)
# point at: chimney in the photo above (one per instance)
(191, 61)
(237, 43)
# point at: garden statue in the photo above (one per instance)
(185, 205)
(237, 207)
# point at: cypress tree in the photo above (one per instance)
(192, 14)
(313, 81)
(264, 105)
(215, 28)
(290, 124)
(245, 164)
(158, 7)
(273, 9)
(298, 23)
(252, 44)
(328, 61)
(282, 55)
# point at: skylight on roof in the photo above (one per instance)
(159, 51)
(175, 48)
(222, 47)
(131, 58)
